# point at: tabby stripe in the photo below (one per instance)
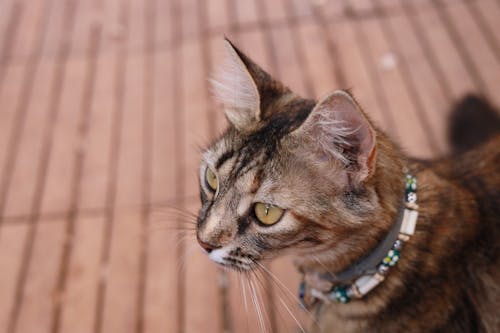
(224, 158)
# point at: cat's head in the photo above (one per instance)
(288, 175)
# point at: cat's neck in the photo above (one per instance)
(387, 184)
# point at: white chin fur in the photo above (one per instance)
(218, 255)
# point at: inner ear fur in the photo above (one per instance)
(244, 89)
(340, 131)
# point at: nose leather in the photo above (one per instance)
(206, 246)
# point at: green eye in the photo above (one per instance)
(211, 179)
(267, 214)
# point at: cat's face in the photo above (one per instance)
(288, 174)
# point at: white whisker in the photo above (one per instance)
(253, 294)
(292, 315)
(243, 291)
(287, 293)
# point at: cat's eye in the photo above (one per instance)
(211, 179)
(267, 214)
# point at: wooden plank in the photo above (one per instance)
(6, 8)
(47, 118)
(12, 239)
(9, 23)
(160, 304)
(429, 25)
(360, 77)
(24, 177)
(217, 13)
(163, 27)
(194, 114)
(33, 19)
(390, 6)
(481, 56)
(202, 311)
(38, 294)
(121, 273)
(84, 271)
(288, 64)
(9, 100)
(302, 8)
(55, 30)
(432, 97)
(131, 143)
(318, 62)
(360, 7)
(60, 172)
(330, 9)
(489, 12)
(86, 19)
(189, 21)
(98, 144)
(393, 86)
(135, 31)
(120, 311)
(163, 130)
(275, 11)
(109, 14)
(246, 11)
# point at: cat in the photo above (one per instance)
(318, 180)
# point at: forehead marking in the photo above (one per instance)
(244, 204)
(224, 157)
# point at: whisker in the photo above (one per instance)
(291, 314)
(171, 228)
(187, 254)
(255, 301)
(287, 293)
(175, 213)
(264, 287)
(243, 291)
(323, 265)
(291, 300)
(182, 239)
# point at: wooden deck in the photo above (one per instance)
(104, 103)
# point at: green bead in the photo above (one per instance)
(411, 183)
(340, 294)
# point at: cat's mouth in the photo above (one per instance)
(234, 259)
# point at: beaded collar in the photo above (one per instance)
(371, 270)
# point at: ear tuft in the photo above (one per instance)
(235, 88)
(339, 130)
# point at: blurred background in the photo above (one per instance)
(105, 103)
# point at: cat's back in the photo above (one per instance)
(478, 172)
(474, 169)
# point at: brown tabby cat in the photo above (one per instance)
(319, 180)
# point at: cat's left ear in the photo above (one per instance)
(244, 89)
(340, 131)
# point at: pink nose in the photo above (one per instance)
(207, 247)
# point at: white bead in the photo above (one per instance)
(409, 221)
(365, 285)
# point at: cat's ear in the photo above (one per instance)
(239, 85)
(339, 130)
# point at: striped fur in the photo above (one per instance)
(340, 181)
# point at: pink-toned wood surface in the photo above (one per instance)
(104, 106)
